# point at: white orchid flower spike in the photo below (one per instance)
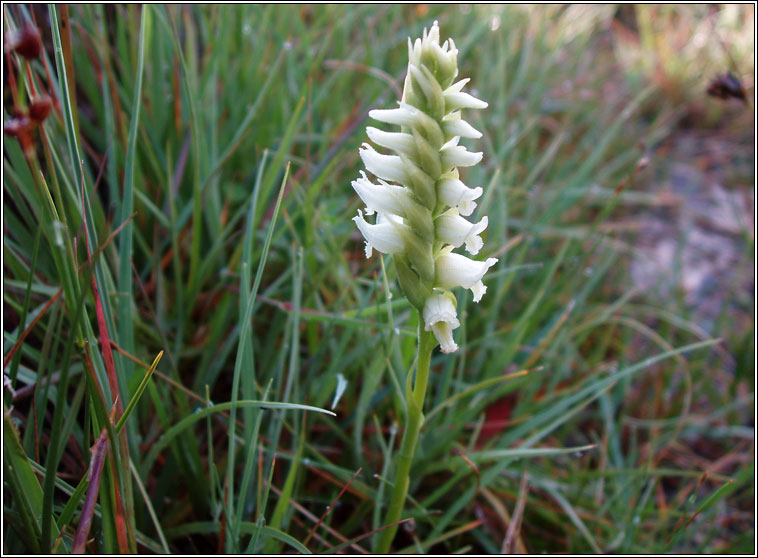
(420, 202)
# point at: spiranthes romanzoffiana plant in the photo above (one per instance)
(419, 201)
(421, 207)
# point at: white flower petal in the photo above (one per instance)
(434, 34)
(388, 167)
(441, 318)
(385, 236)
(454, 270)
(382, 197)
(454, 193)
(474, 242)
(478, 289)
(403, 116)
(444, 334)
(389, 217)
(414, 51)
(458, 86)
(411, 53)
(449, 57)
(453, 229)
(408, 115)
(455, 126)
(440, 52)
(459, 156)
(397, 141)
(457, 100)
(452, 142)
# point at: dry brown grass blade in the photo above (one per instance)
(505, 518)
(29, 328)
(513, 533)
(331, 507)
(314, 519)
(323, 474)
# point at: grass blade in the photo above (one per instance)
(201, 413)
(517, 453)
(125, 250)
(138, 393)
(246, 324)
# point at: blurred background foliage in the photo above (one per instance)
(603, 397)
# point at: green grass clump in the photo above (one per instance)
(187, 203)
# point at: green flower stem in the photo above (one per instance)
(415, 418)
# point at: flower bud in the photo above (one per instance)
(420, 255)
(431, 89)
(414, 288)
(447, 64)
(420, 183)
(428, 158)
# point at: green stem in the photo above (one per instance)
(414, 420)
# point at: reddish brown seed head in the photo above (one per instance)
(17, 126)
(21, 127)
(26, 42)
(40, 107)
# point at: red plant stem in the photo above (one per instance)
(56, 103)
(32, 87)
(93, 476)
(12, 80)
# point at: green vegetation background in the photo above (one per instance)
(191, 195)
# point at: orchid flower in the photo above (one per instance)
(420, 202)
